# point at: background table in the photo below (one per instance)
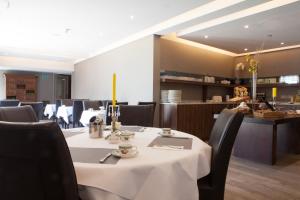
(50, 109)
(64, 112)
(88, 114)
(158, 174)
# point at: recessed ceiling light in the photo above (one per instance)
(245, 49)
(131, 17)
(282, 43)
(205, 36)
(101, 34)
(246, 26)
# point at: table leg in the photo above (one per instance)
(274, 145)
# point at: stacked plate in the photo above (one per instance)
(174, 96)
(164, 96)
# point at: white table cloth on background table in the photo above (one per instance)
(50, 109)
(159, 174)
(64, 112)
(88, 114)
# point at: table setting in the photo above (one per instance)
(132, 162)
(64, 112)
(50, 110)
(130, 168)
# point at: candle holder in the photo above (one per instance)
(114, 113)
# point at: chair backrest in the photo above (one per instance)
(9, 103)
(77, 110)
(67, 102)
(18, 114)
(35, 163)
(108, 118)
(58, 103)
(139, 115)
(149, 103)
(38, 108)
(221, 140)
(95, 105)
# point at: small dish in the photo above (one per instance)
(117, 153)
(163, 134)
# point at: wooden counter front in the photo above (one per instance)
(261, 140)
(196, 119)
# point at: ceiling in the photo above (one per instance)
(275, 28)
(74, 30)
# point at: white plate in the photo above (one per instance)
(117, 153)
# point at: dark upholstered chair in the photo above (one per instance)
(38, 108)
(77, 111)
(35, 163)
(67, 102)
(226, 127)
(18, 114)
(149, 103)
(139, 115)
(9, 103)
(95, 105)
(108, 118)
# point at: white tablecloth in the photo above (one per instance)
(64, 112)
(50, 109)
(88, 114)
(155, 174)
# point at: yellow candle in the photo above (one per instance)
(114, 90)
(274, 92)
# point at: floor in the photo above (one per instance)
(251, 181)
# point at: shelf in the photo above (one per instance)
(167, 80)
(271, 85)
(265, 85)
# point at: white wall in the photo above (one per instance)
(2, 86)
(133, 64)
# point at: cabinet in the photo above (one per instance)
(21, 87)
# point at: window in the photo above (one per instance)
(293, 79)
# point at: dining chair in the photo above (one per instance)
(149, 103)
(18, 114)
(35, 163)
(77, 111)
(38, 108)
(67, 102)
(95, 105)
(137, 115)
(226, 127)
(108, 118)
(9, 103)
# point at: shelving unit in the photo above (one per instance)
(21, 87)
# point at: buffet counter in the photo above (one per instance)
(262, 140)
(197, 118)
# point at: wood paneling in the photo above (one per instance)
(261, 140)
(196, 119)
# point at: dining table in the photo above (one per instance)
(64, 112)
(50, 110)
(88, 114)
(159, 171)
